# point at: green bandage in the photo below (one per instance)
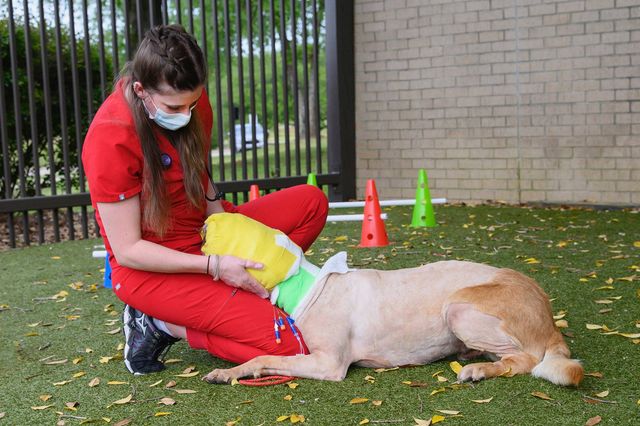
(292, 290)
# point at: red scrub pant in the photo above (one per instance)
(229, 323)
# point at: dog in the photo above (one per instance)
(384, 319)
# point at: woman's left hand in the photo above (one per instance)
(233, 271)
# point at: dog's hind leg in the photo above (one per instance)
(485, 333)
(317, 365)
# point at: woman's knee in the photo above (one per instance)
(316, 200)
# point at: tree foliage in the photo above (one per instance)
(35, 148)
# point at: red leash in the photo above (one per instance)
(266, 381)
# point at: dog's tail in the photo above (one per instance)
(556, 366)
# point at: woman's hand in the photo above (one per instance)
(233, 271)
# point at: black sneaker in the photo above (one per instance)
(144, 343)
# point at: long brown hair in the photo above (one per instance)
(169, 55)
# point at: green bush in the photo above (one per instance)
(56, 124)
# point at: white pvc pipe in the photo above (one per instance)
(99, 253)
(345, 204)
(350, 217)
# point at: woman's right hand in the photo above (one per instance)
(233, 271)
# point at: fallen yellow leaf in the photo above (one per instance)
(542, 395)
(45, 398)
(562, 324)
(450, 412)
(593, 327)
(384, 370)
(155, 383)
(94, 382)
(297, 418)
(358, 400)
(162, 413)
(71, 406)
(482, 401)
(437, 419)
(184, 391)
(630, 335)
(439, 390)
(363, 422)
(79, 374)
(602, 394)
(116, 382)
(288, 397)
(124, 400)
(531, 261)
(282, 418)
(62, 383)
(455, 366)
(195, 373)
(420, 422)
(293, 385)
(376, 403)
(41, 407)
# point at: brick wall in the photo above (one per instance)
(539, 102)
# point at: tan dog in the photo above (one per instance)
(419, 315)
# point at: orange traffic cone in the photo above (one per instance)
(374, 233)
(254, 192)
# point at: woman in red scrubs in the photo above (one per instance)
(145, 160)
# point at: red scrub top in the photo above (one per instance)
(114, 164)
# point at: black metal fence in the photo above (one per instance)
(280, 83)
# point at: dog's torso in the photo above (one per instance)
(389, 315)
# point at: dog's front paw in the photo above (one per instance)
(473, 372)
(218, 376)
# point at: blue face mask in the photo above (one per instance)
(169, 121)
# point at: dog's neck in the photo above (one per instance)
(289, 293)
(303, 287)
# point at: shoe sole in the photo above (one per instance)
(126, 318)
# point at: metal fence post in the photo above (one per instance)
(341, 143)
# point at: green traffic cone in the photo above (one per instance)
(423, 210)
(311, 180)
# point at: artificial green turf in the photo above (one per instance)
(570, 245)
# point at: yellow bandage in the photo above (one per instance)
(238, 235)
